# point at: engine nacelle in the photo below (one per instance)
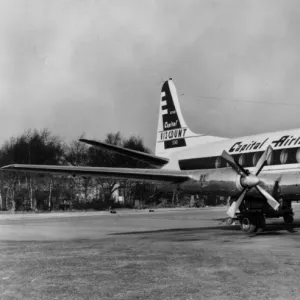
(220, 182)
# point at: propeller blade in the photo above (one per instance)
(236, 204)
(272, 202)
(260, 164)
(235, 165)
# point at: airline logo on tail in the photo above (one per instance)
(173, 133)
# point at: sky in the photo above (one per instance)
(97, 66)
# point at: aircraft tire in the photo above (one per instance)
(261, 223)
(288, 218)
(229, 221)
(248, 224)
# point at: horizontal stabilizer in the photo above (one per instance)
(149, 175)
(145, 157)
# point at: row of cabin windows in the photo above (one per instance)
(285, 156)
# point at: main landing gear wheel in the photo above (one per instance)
(288, 218)
(261, 223)
(248, 224)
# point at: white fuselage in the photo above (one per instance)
(211, 175)
(285, 157)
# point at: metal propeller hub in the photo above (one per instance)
(249, 181)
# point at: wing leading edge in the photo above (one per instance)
(118, 173)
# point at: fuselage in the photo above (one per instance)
(211, 173)
(245, 150)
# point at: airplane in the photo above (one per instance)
(260, 173)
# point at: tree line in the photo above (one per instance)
(28, 191)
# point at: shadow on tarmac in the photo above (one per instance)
(271, 230)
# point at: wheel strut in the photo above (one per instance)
(288, 218)
(261, 223)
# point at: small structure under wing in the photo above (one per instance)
(149, 175)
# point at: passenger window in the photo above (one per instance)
(256, 158)
(298, 155)
(283, 156)
(242, 159)
(218, 162)
(270, 159)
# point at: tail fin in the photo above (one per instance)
(173, 133)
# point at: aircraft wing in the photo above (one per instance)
(118, 173)
(145, 157)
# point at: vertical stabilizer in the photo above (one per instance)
(173, 134)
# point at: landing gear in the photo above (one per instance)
(288, 218)
(261, 223)
(254, 212)
(248, 224)
(252, 223)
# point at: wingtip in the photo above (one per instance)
(91, 142)
(8, 167)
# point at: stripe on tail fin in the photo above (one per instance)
(173, 133)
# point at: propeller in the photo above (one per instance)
(250, 180)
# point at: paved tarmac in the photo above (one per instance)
(165, 254)
(95, 225)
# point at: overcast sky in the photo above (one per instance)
(97, 66)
